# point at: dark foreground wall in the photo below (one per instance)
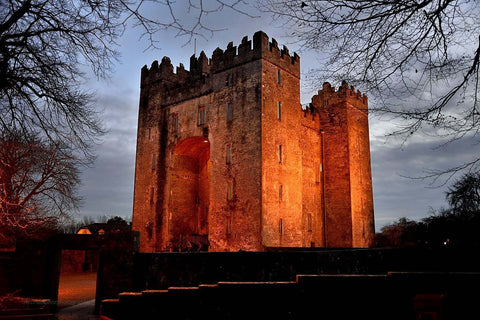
(331, 284)
(116, 267)
(162, 270)
(31, 270)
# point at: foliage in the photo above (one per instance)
(398, 234)
(419, 59)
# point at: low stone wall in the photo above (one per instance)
(31, 271)
(162, 270)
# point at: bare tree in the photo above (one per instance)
(419, 59)
(44, 44)
(38, 181)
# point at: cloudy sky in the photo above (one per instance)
(107, 186)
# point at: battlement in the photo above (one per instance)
(344, 91)
(202, 68)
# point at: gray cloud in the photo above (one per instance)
(398, 191)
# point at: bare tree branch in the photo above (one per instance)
(44, 44)
(418, 59)
(38, 182)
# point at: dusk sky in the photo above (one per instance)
(107, 187)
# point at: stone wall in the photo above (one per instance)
(163, 270)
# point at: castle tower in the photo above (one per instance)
(347, 200)
(227, 160)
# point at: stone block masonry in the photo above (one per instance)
(228, 160)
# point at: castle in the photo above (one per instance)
(227, 158)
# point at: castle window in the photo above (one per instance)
(279, 79)
(309, 223)
(149, 133)
(230, 191)
(318, 170)
(229, 154)
(154, 161)
(280, 226)
(228, 82)
(280, 193)
(174, 122)
(152, 195)
(279, 110)
(228, 225)
(279, 153)
(201, 116)
(149, 229)
(144, 101)
(229, 112)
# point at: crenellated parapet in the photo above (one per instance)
(328, 92)
(352, 93)
(203, 68)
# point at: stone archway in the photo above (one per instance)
(189, 195)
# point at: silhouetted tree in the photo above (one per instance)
(420, 59)
(402, 233)
(117, 220)
(464, 195)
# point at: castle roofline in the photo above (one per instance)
(222, 60)
(343, 90)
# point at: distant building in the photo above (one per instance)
(228, 160)
(103, 228)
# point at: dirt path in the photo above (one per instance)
(76, 288)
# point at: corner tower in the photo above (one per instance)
(347, 197)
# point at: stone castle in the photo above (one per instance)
(227, 158)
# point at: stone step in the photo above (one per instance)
(345, 296)
(130, 305)
(109, 308)
(396, 295)
(269, 300)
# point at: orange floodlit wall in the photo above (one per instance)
(228, 160)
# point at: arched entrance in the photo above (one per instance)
(189, 195)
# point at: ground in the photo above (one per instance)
(76, 296)
(76, 288)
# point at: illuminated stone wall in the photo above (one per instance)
(228, 160)
(347, 199)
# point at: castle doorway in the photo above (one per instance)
(189, 195)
